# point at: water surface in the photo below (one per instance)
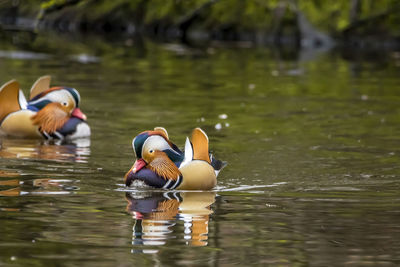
(311, 141)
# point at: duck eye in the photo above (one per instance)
(65, 103)
(151, 151)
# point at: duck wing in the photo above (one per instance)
(11, 99)
(200, 145)
(50, 118)
(42, 84)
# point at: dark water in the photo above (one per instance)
(311, 140)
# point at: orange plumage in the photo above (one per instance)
(52, 117)
(160, 163)
(200, 145)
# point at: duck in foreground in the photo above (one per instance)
(50, 113)
(161, 164)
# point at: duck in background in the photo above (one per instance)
(50, 113)
(161, 164)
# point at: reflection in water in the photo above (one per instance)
(156, 215)
(13, 192)
(36, 187)
(312, 148)
(76, 150)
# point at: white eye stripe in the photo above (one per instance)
(177, 183)
(155, 142)
(169, 185)
(60, 96)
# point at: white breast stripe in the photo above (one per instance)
(166, 195)
(47, 135)
(177, 183)
(60, 136)
(167, 184)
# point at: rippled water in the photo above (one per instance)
(311, 141)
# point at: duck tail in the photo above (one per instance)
(200, 145)
(217, 164)
(11, 99)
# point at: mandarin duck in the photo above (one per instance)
(50, 113)
(161, 164)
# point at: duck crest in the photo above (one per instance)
(163, 130)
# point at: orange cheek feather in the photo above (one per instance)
(163, 166)
(50, 118)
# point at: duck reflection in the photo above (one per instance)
(76, 150)
(157, 213)
(13, 188)
(12, 185)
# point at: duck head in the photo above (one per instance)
(157, 158)
(55, 107)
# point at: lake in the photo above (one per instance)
(311, 139)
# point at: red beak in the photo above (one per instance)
(78, 114)
(139, 164)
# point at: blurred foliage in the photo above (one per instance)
(332, 17)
